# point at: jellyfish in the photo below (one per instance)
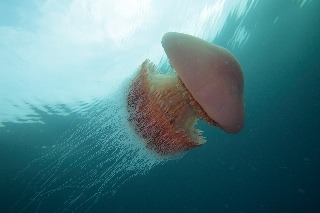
(100, 151)
(208, 85)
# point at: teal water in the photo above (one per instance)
(64, 141)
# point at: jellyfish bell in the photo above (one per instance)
(212, 75)
(164, 108)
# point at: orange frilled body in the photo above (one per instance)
(161, 112)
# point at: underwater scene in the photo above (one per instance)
(160, 106)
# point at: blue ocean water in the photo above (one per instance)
(64, 142)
